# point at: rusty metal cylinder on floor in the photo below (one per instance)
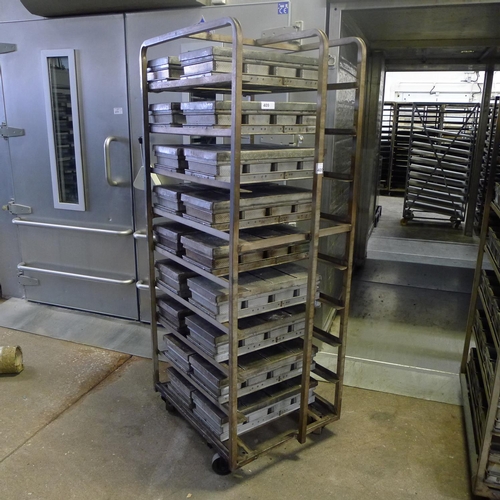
(11, 359)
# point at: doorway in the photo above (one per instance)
(412, 296)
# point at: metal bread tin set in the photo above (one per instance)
(258, 163)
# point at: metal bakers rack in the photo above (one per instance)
(480, 370)
(440, 155)
(486, 163)
(394, 144)
(233, 253)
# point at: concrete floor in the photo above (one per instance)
(84, 423)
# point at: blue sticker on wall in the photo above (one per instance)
(283, 7)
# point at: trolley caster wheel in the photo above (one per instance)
(318, 431)
(220, 465)
(170, 407)
(403, 222)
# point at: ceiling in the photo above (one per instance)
(458, 36)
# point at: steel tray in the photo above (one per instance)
(262, 216)
(182, 386)
(260, 291)
(207, 53)
(254, 333)
(214, 60)
(175, 276)
(256, 195)
(168, 235)
(174, 312)
(260, 407)
(177, 353)
(212, 253)
(169, 196)
(257, 370)
(218, 113)
(220, 154)
(164, 68)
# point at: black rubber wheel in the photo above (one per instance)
(220, 465)
(318, 431)
(403, 222)
(170, 407)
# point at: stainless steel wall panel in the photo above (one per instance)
(82, 295)
(99, 44)
(99, 254)
(9, 246)
(102, 88)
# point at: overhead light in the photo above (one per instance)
(467, 51)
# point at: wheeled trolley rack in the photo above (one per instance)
(394, 142)
(439, 161)
(234, 251)
(480, 370)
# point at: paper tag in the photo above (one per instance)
(267, 105)
(319, 168)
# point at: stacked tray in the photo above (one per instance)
(259, 407)
(173, 315)
(254, 333)
(168, 236)
(164, 68)
(260, 205)
(262, 117)
(174, 277)
(170, 159)
(169, 196)
(215, 60)
(493, 468)
(180, 389)
(496, 426)
(478, 401)
(493, 241)
(178, 353)
(218, 113)
(262, 290)
(486, 350)
(212, 253)
(258, 163)
(209, 69)
(168, 113)
(256, 370)
(489, 290)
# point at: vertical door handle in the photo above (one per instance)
(107, 161)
